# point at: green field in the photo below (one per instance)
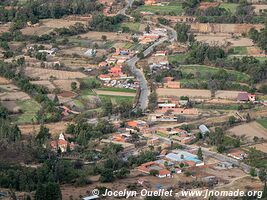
(116, 99)
(229, 6)
(177, 58)
(240, 50)
(203, 70)
(29, 109)
(118, 89)
(163, 10)
(133, 26)
(263, 122)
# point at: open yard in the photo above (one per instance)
(133, 26)
(229, 6)
(162, 9)
(115, 93)
(249, 130)
(65, 84)
(112, 36)
(45, 74)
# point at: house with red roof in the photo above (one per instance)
(149, 166)
(245, 96)
(62, 144)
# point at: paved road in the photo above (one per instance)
(144, 89)
(123, 11)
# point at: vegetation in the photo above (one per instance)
(162, 10)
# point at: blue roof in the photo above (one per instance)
(186, 157)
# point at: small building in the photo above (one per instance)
(90, 53)
(161, 53)
(185, 157)
(203, 129)
(237, 154)
(244, 96)
(149, 166)
(104, 77)
(172, 84)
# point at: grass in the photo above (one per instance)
(263, 122)
(229, 6)
(118, 89)
(203, 70)
(261, 59)
(177, 58)
(116, 99)
(240, 50)
(133, 26)
(163, 10)
(29, 109)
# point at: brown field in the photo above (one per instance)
(261, 147)
(195, 93)
(9, 87)
(224, 28)
(92, 35)
(4, 27)
(45, 83)
(4, 81)
(224, 39)
(45, 74)
(249, 130)
(54, 128)
(255, 51)
(11, 106)
(47, 25)
(12, 96)
(111, 93)
(65, 84)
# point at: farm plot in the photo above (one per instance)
(9, 87)
(4, 81)
(261, 147)
(45, 74)
(162, 9)
(29, 109)
(47, 25)
(112, 36)
(249, 130)
(44, 83)
(11, 106)
(65, 84)
(12, 96)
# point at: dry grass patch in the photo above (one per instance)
(112, 36)
(45, 74)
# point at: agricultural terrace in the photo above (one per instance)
(229, 6)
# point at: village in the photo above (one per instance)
(132, 95)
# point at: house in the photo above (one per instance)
(92, 197)
(104, 77)
(244, 96)
(62, 144)
(90, 53)
(161, 53)
(115, 71)
(237, 154)
(111, 61)
(149, 166)
(172, 84)
(203, 129)
(48, 52)
(103, 64)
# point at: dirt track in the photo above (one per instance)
(111, 93)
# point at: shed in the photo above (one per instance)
(203, 129)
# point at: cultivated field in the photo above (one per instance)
(112, 93)
(261, 147)
(9, 87)
(4, 81)
(65, 84)
(47, 25)
(12, 96)
(44, 83)
(11, 106)
(45, 74)
(195, 93)
(93, 35)
(249, 130)
(54, 128)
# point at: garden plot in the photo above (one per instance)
(12, 96)
(4, 81)
(112, 36)
(45, 74)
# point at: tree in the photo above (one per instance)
(182, 30)
(43, 135)
(147, 28)
(73, 86)
(106, 175)
(49, 191)
(231, 120)
(253, 172)
(104, 37)
(263, 175)
(200, 154)
(154, 172)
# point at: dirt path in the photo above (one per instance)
(112, 93)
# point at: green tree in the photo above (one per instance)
(182, 30)
(231, 120)
(253, 172)
(73, 86)
(42, 135)
(49, 191)
(200, 154)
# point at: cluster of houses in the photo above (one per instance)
(152, 36)
(169, 108)
(158, 61)
(171, 163)
(115, 76)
